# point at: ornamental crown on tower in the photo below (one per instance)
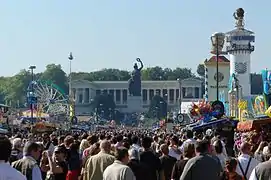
(239, 13)
(239, 16)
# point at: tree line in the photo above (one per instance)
(13, 89)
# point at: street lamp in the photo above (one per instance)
(180, 93)
(70, 78)
(217, 47)
(32, 91)
(71, 108)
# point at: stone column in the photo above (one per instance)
(115, 97)
(200, 92)
(73, 94)
(194, 91)
(167, 96)
(77, 95)
(148, 96)
(174, 96)
(89, 95)
(121, 96)
(83, 95)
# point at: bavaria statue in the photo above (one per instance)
(135, 80)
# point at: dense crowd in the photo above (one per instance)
(130, 154)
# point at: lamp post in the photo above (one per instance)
(180, 94)
(217, 46)
(70, 78)
(71, 108)
(180, 116)
(32, 91)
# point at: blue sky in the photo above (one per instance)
(112, 33)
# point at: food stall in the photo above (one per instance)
(42, 127)
(255, 124)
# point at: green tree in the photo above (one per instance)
(182, 73)
(154, 73)
(151, 73)
(16, 88)
(158, 107)
(3, 90)
(56, 75)
(201, 70)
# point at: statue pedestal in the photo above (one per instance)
(134, 104)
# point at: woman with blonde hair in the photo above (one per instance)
(83, 145)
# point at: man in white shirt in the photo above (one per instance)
(6, 171)
(28, 164)
(119, 169)
(174, 151)
(190, 139)
(135, 143)
(246, 163)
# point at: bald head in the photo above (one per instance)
(245, 148)
(105, 146)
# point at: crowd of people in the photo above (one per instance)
(130, 155)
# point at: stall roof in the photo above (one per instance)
(251, 124)
(214, 123)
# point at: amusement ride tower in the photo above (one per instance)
(239, 47)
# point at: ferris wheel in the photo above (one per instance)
(48, 98)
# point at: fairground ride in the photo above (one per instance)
(47, 98)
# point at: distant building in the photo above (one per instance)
(211, 77)
(85, 91)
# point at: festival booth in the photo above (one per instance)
(206, 116)
(42, 127)
(251, 125)
(223, 124)
(36, 114)
(254, 114)
(211, 116)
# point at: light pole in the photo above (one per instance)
(180, 93)
(217, 47)
(180, 116)
(32, 92)
(71, 108)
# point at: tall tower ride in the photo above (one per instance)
(239, 47)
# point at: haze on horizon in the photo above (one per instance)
(112, 34)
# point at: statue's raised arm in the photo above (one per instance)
(141, 64)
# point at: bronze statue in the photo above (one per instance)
(239, 13)
(239, 17)
(135, 80)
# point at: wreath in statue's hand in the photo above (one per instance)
(138, 59)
